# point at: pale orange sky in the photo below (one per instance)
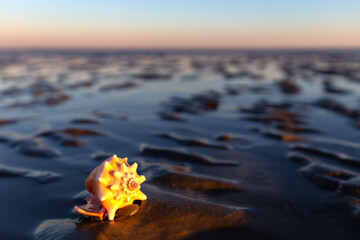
(184, 38)
(204, 24)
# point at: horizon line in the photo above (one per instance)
(178, 48)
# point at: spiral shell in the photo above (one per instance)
(116, 184)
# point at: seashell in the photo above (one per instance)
(114, 184)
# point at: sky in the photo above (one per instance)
(179, 24)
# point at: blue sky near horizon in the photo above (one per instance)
(186, 23)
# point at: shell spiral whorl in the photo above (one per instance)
(133, 184)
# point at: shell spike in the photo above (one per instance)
(107, 166)
(142, 179)
(122, 167)
(111, 213)
(117, 160)
(106, 196)
(113, 161)
(104, 181)
(141, 195)
(133, 167)
(126, 161)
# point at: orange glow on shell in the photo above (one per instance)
(115, 184)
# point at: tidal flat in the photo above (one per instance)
(233, 144)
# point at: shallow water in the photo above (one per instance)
(233, 144)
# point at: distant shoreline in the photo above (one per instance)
(180, 50)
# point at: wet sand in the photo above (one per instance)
(234, 145)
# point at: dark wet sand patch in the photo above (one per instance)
(6, 121)
(118, 86)
(84, 121)
(181, 155)
(39, 176)
(332, 178)
(293, 128)
(76, 132)
(282, 136)
(158, 212)
(171, 116)
(338, 107)
(194, 142)
(339, 156)
(228, 137)
(118, 116)
(192, 181)
(101, 156)
(289, 86)
(28, 145)
(207, 101)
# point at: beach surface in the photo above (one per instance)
(233, 144)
